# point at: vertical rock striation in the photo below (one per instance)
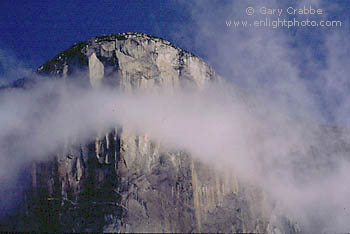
(128, 183)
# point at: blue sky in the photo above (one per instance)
(297, 74)
(255, 58)
(37, 30)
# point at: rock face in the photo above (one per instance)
(128, 183)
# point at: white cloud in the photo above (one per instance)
(267, 137)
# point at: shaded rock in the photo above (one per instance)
(122, 182)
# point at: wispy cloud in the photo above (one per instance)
(272, 137)
(300, 75)
(11, 68)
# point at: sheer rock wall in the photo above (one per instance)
(122, 182)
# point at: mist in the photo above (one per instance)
(300, 77)
(11, 67)
(280, 123)
(262, 142)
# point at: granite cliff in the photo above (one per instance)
(122, 182)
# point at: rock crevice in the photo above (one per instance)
(122, 182)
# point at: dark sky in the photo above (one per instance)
(303, 71)
(35, 31)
